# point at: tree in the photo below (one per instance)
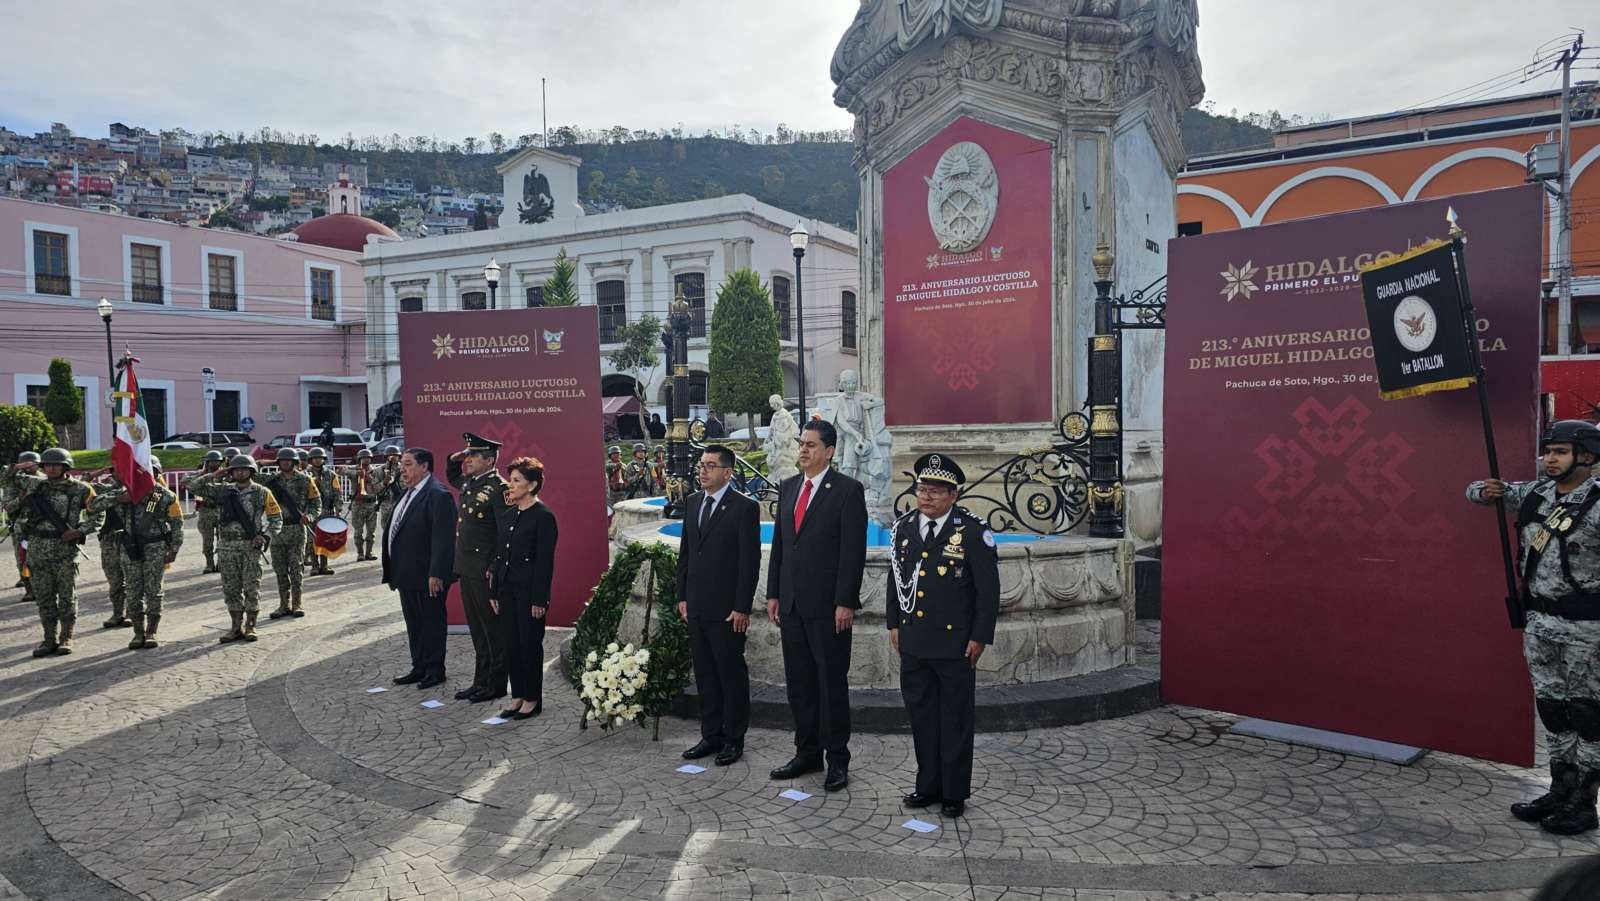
(63, 405)
(561, 288)
(497, 142)
(225, 219)
(744, 348)
(387, 215)
(771, 182)
(23, 428)
(470, 145)
(638, 355)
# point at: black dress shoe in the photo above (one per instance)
(953, 809)
(508, 714)
(796, 768)
(729, 754)
(919, 800)
(485, 694)
(838, 778)
(703, 748)
(529, 714)
(408, 678)
(431, 680)
(466, 694)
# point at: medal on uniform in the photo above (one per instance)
(1541, 539)
(942, 570)
(955, 539)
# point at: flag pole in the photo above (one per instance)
(1458, 255)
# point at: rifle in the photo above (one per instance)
(286, 501)
(233, 511)
(42, 508)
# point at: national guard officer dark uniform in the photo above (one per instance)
(943, 599)
(477, 535)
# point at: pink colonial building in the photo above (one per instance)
(228, 327)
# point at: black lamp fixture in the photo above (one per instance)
(798, 239)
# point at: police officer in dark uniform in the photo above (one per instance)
(472, 472)
(943, 599)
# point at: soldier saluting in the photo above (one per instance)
(249, 518)
(1560, 535)
(58, 514)
(943, 599)
(151, 533)
(206, 515)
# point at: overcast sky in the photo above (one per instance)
(469, 67)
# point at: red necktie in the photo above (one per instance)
(800, 508)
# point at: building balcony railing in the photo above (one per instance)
(148, 293)
(53, 284)
(224, 300)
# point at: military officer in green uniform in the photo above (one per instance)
(297, 494)
(943, 599)
(248, 519)
(363, 482)
(1559, 527)
(327, 479)
(472, 472)
(152, 532)
(205, 514)
(58, 511)
(14, 519)
(390, 488)
(110, 537)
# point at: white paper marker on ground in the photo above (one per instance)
(376, 691)
(492, 721)
(691, 769)
(431, 703)
(793, 794)
(920, 826)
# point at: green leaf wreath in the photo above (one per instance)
(671, 665)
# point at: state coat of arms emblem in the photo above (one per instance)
(963, 197)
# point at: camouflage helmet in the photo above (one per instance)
(213, 456)
(57, 455)
(243, 461)
(391, 450)
(155, 463)
(28, 457)
(639, 447)
(230, 453)
(614, 449)
(317, 453)
(288, 453)
(364, 454)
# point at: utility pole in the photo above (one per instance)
(1563, 248)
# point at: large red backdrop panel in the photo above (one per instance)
(966, 336)
(530, 379)
(1321, 563)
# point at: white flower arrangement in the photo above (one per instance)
(610, 684)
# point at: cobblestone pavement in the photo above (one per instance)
(266, 770)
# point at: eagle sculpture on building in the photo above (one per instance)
(537, 204)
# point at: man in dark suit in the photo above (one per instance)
(719, 560)
(472, 471)
(418, 561)
(819, 548)
(943, 599)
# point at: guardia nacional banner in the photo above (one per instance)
(1419, 333)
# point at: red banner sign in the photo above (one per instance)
(1321, 564)
(529, 379)
(966, 270)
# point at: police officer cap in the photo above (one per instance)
(939, 469)
(213, 456)
(57, 455)
(230, 453)
(28, 457)
(1580, 434)
(477, 444)
(317, 453)
(288, 453)
(155, 463)
(364, 454)
(243, 461)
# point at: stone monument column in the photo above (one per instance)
(1030, 132)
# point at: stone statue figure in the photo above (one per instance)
(537, 204)
(783, 456)
(864, 450)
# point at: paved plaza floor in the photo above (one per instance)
(266, 770)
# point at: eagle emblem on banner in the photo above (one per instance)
(963, 197)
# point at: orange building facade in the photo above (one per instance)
(1333, 167)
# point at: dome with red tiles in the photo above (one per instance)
(343, 231)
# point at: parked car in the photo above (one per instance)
(744, 434)
(216, 440)
(177, 445)
(268, 451)
(345, 443)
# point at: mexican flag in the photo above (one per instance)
(130, 455)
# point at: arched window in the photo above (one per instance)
(692, 285)
(612, 299)
(847, 324)
(780, 304)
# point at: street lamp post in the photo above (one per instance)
(1105, 407)
(491, 274)
(678, 464)
(104, 307)
(798, 239)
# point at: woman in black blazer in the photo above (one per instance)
(519, 583)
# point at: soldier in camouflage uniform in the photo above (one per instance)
(1556, 520)
(58, 515)
(301, 502)
(390, 488)
(152, 534)
(363, 482)
(249, 518)
(206, 515)
(110, 537)
(18, 531)
(327, 479)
